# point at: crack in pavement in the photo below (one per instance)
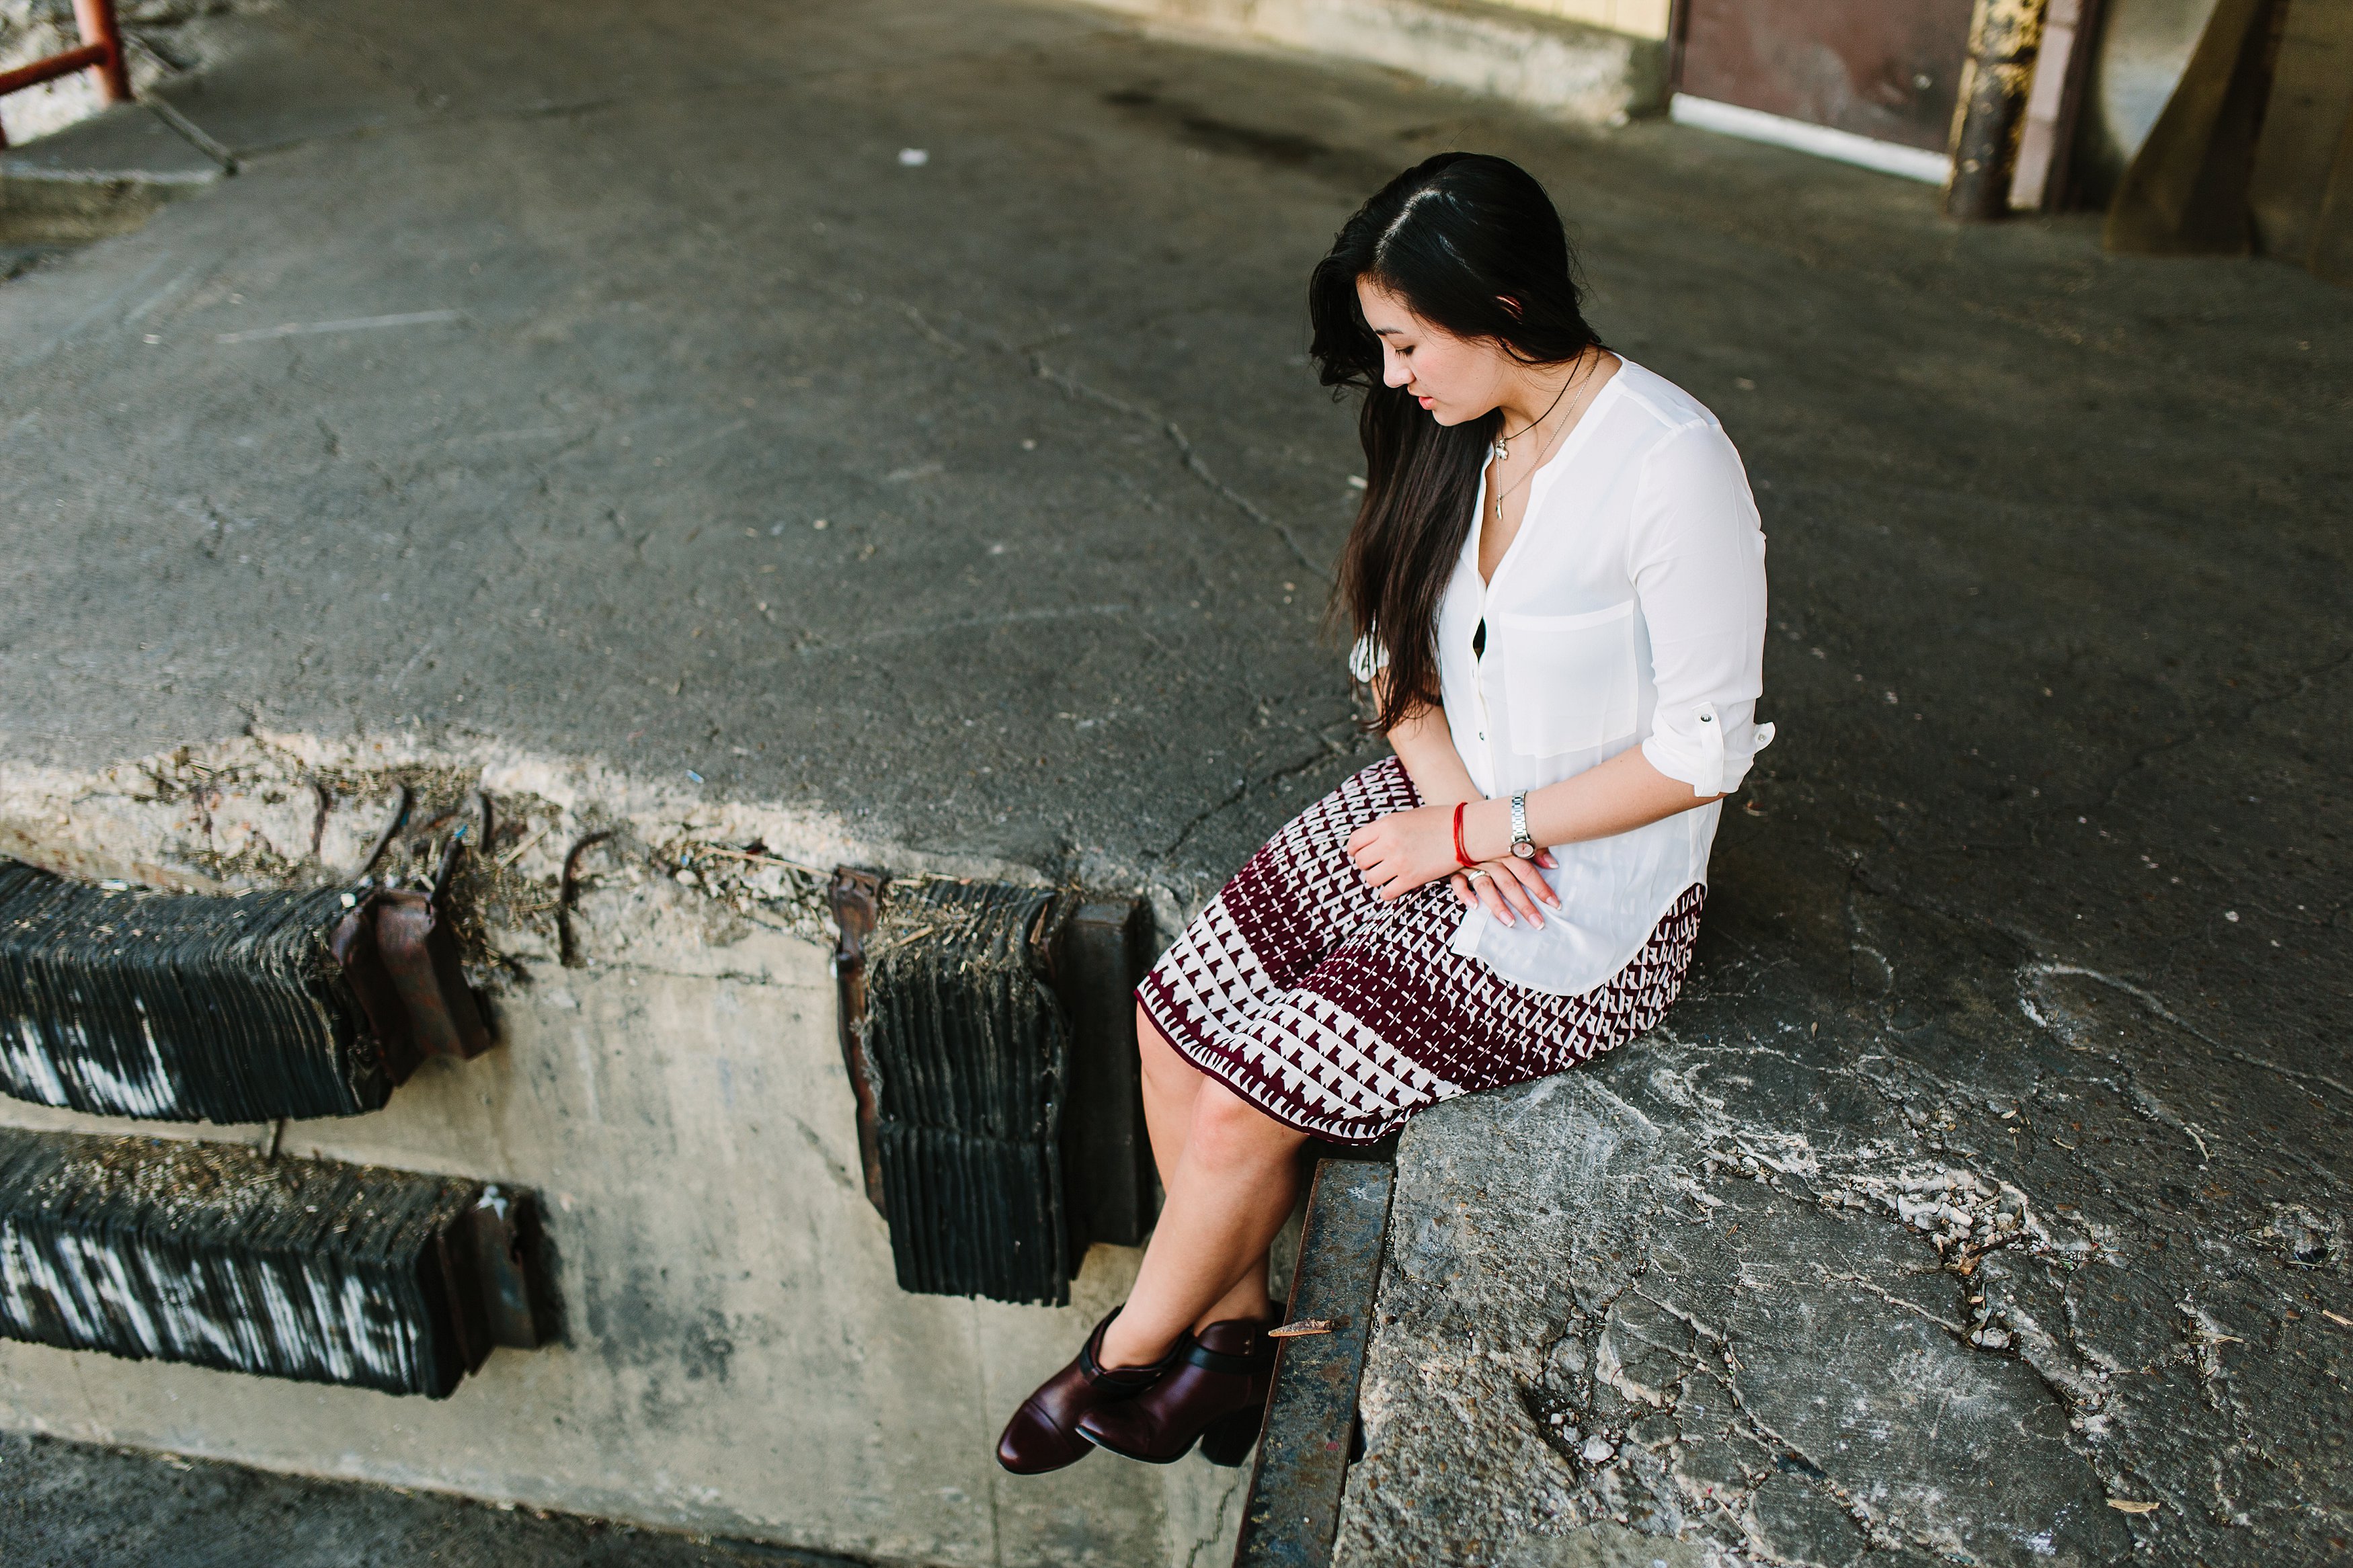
(1200, 471)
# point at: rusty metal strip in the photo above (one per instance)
(857, 897)
(400, 957)
(567, 895)
(420, 954)
(101, 52)
(1292, 1514)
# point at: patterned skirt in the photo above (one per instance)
(1342, 1016)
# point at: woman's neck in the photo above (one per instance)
(1542, 394)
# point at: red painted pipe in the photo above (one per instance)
(96, 20)
(51, 69)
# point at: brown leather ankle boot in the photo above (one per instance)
(1219, 1382)
(1043, 1433)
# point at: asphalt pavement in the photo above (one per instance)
(900, 411)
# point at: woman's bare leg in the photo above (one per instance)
(1170, 1083)
(1230, 1188)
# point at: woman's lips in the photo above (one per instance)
(1426, 402)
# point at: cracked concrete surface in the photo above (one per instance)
(1984, 1200)
(1990, 1173)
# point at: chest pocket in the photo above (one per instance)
(1569, 681)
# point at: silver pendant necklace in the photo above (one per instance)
(1503, 449)
(1503, 440)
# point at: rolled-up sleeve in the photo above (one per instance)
(1697, 559)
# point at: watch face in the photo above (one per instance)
(1524, 850)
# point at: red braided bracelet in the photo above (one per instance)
(1462, 856)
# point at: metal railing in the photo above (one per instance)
(101, 52)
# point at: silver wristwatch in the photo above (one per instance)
(1521, 845)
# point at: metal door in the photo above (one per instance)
(1888, 69)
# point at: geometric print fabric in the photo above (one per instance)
(1342, 1016)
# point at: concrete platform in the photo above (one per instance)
(483, 425)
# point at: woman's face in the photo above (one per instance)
(1455, 378)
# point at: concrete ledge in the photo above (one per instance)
(1568, 69)
(105, 175)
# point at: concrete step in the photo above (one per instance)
(1568, 69)
(104, 175)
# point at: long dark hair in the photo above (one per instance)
(1474, 245)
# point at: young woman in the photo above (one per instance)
(1557, 579)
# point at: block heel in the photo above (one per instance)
(1229, 1439)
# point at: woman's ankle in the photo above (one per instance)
(1121, 1351)
(1228, 1312)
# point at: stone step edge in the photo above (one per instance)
(1570, 70)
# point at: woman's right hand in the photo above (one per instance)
(1509, 888)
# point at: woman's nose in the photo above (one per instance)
(1393, 370)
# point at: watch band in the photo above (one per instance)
(1521, 845)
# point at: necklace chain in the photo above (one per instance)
(1502, 451)
(1504, 441)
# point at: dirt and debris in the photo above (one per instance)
(547, 849)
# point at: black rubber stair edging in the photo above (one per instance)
(218, 1255)
(122, 1001)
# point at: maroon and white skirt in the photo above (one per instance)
(1342, 1016)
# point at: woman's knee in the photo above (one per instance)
(1229, 1132)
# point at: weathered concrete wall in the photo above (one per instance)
(1601, 61)
(737, 1358)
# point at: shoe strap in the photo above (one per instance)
(1208, 1360)
(1125, 1376)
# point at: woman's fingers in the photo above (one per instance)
(1494, 899)
(1529, 878)
(1545, 859)
(1460, 883)
(1508, 889)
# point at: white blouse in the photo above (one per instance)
(1629, 610)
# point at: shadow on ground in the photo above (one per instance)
(65, 1504)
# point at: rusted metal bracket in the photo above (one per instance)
(1292, 1514)
(401, 959)
(856, 897)
(506, 1262)
(1102, 951)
